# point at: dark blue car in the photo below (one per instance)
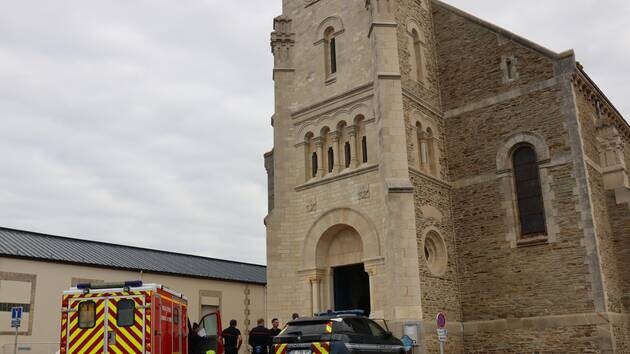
(336, 333)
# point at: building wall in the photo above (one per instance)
(374, 198)
(243, 302)
(482, 92)
(506, 284)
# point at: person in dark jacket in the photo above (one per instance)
(232, 338)
(194, 341)
(260, 338)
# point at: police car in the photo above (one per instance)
(338, 332)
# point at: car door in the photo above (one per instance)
(382, 339)
(211, 324)
(361, 338)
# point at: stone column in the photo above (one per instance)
(352, 132)
(319, 145)
(424, 153)
(371, 268)
(316, 294)
(335, 145)
(314, 278)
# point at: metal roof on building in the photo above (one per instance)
(49, 248)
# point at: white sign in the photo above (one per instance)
(442, 334)
(16, 323)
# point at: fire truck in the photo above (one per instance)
(131, 318)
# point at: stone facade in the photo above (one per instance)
(394, 132)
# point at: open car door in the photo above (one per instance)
(211, 324)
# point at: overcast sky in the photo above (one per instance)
(144, 122)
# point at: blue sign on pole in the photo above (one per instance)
(16, 313)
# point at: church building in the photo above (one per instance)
(428, 161)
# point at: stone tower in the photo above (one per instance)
(425, 160)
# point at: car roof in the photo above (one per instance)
(324, 318)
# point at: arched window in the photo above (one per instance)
(528, 191)
(330, 51)
(417, 52)
(364, 149)
(347, 153)
(314, 164)
(331, 159)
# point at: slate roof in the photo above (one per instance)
(49, 248)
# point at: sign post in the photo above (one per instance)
(16, 319)
(441, 330)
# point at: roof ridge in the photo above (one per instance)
(129, 246)
(504, 32)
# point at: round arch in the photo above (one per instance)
(504, 160)
(336, 218)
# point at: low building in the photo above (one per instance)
(35, 269)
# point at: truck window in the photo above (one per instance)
(126, 313)
(87, 314)
(176, 315)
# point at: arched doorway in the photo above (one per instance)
(345, 242)
(340, 254)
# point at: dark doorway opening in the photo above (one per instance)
(351, 288)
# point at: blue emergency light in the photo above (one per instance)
(341, 312)
(126, 285)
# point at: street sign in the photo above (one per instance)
(442, 335)
(16, 323)
(441, 320)
(16, 313)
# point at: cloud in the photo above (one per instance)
(144, 122)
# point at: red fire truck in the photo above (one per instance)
(130, 318)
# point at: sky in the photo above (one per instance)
(144, 122)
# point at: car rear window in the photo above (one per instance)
(305, 328)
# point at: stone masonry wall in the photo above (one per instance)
(579, 339)
(412, 10)
(497, 279)
(472, 46)
(610, 267)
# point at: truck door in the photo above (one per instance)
(85, 326)
(211, 323)
(125, 325)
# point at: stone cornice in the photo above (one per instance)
(332, 100)
(337, 177)
(426, 105)
(609, 114)
(417, 173)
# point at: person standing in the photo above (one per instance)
(295, 316)
(260, 338)
(232, 339)
(275, 327)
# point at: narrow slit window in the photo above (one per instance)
(125, 313)
(87, 314)
(510, 68)
(331, 159)
(417, 49)
(314, 166)
(364, 148)
(347, 154)
(529, 192)
(333, 55)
